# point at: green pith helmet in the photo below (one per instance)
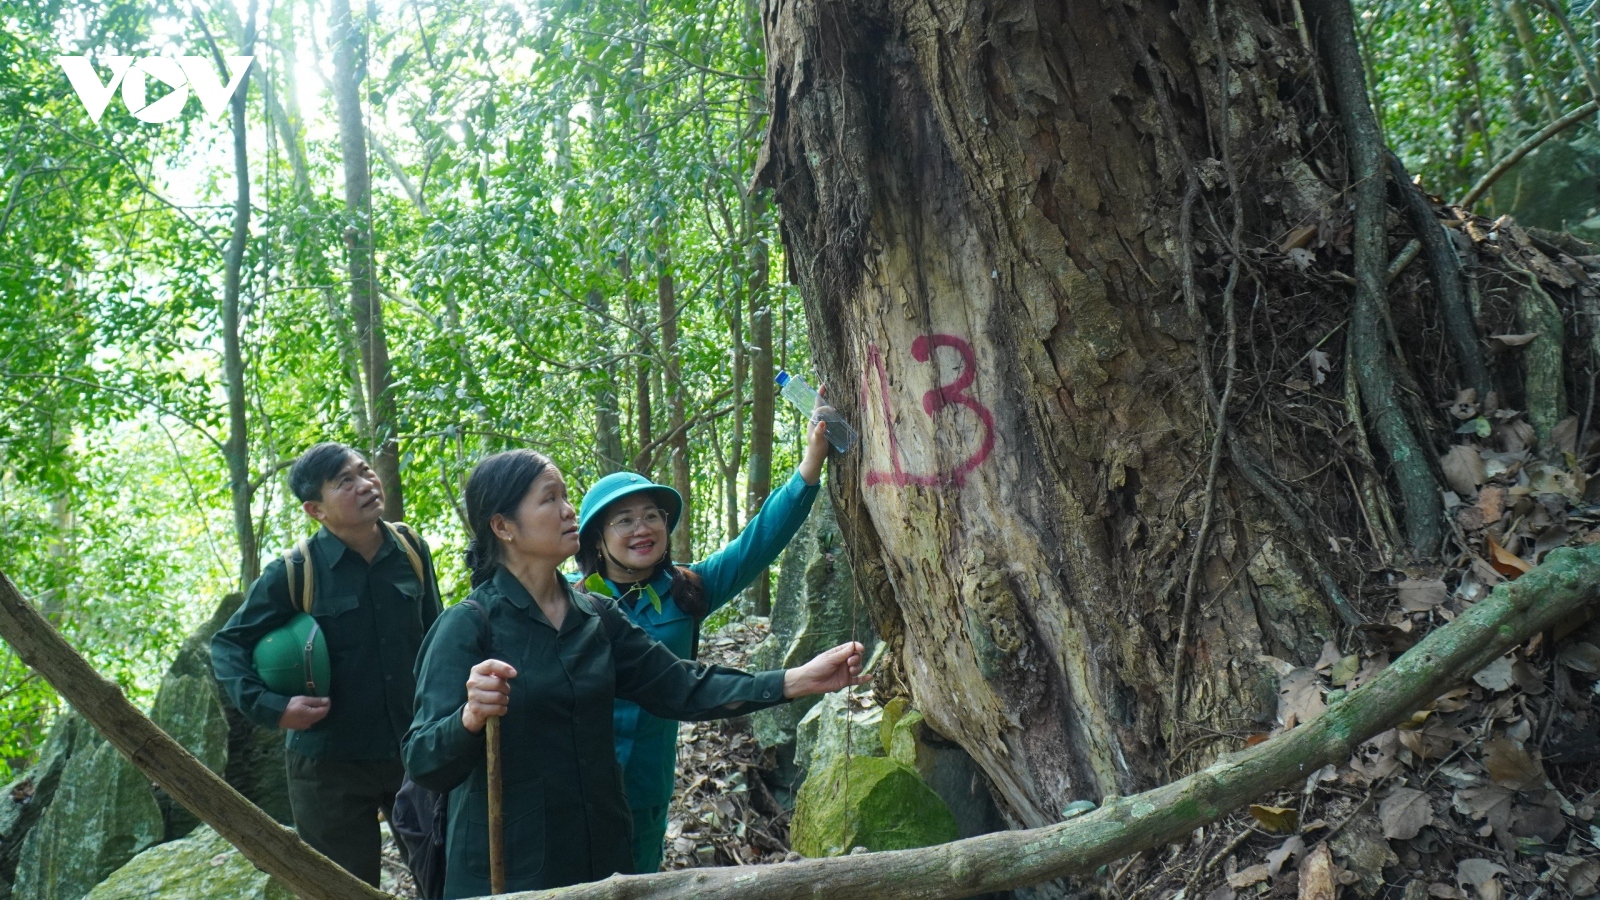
(622, 484)
(293, 660)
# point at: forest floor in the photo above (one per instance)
(1492, 792)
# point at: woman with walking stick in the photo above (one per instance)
(548, 662)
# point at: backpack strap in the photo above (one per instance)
(300, 555)
(411, 544)
(485, 636)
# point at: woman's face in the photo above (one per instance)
(634, 534)
(544, 526)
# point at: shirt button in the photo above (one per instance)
(388, 678)
(766, 695)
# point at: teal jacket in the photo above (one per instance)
(647, 746)
(566, 820)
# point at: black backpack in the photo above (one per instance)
(420, 819)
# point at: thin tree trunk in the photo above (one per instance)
(676, 395)
(237, 447)
(607, 418)
(1533, 54)
(366, 304)
(731, 462)
(1467, 58)
(758, 481)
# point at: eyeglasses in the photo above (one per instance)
(651, 518)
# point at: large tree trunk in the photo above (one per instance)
(366, 304)
(1021, 236)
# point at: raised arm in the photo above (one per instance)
(650, 675)
(730, 570)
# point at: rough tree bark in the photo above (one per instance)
(366, 303)
(1012, 225)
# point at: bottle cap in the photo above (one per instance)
(783, 378)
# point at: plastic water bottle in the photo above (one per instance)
(795, 390)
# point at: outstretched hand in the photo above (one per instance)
(829, 670)
(816, 451)
(488, 693)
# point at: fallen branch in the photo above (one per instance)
(273, 849)
(1513, 612)
(1011, 859)
(1526, 147)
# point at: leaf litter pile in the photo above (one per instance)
(722, 812)
(1492, 791)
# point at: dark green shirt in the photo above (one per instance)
(373, 616)
(566, 819)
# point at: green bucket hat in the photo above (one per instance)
(293, 660)
(622, 484)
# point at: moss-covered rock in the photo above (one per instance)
(832, 730)
(255, 763)
(103, 815)
(202, 866)
(811, 611)
(870, 802)
(188, 709)
(24, 801)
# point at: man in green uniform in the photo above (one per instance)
(343, 749)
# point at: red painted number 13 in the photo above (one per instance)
(953, 394)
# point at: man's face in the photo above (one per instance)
(353, 497)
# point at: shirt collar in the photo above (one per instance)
(332, 550)
(512, 589)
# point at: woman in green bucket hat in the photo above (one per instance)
(623, 552)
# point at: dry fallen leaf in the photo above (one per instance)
(1482, 875)
(1582, 656)
(1246, 877)
(1404, 813)
(1320, 366)
(1299, 697)
(1496, 676)
(1294, 846)
(1463, 469)
(1510, 765)
(1514, 340)
(1504, 561)
(1317, 880)
(1422, 595)
(1276, 819)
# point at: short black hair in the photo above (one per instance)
(316, 466)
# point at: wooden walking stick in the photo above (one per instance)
(497, 841)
